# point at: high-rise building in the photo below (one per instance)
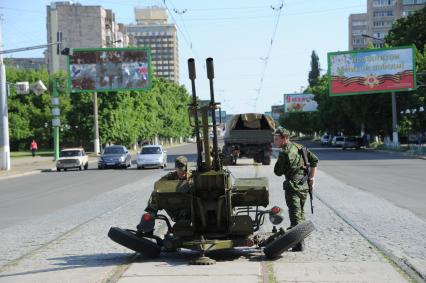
(380, 16)
(358, 25)
(152, 30)
(81, 27)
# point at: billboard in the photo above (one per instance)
(300, 102)
(371, 71)
(277, 110)
(109, 69)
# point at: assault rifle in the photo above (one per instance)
(308, 169)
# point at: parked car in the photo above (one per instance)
(338, 141)
(72, 158)
(152, 156)
(352, 142)
(325, 139)
(116, 156)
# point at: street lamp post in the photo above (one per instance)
(4, 120)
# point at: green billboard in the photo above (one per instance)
(109, 69)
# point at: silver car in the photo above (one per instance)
(153, 156)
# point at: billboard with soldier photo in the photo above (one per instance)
(109, 69)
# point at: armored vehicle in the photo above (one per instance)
(211, 211)
(248, 135)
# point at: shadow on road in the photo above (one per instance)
(79, 261)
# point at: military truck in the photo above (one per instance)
(248, 135)
(212, 211)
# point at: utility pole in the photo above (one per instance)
(4, 119)
(394, 121)
(96, 122)
(55, 120)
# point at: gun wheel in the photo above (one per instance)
(130, 240)
(290, 239)
(202, 260)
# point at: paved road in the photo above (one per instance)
(392, 176)
(28, 197)
(70, 245)
(65, 239)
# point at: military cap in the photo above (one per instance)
(181, 162)
(282, 132)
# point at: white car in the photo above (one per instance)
(325, 139)
(338, 141)
(72, 158)
(153, 156)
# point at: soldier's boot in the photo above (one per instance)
(300, 247)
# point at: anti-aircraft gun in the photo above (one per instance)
(216, 212)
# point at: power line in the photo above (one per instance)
(189, 42)
(266, 59)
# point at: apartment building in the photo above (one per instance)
(376, 23)
(153, 30)
(81, 27)
(358, 25)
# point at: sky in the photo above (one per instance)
(260, 51)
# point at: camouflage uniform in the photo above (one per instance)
(180, 162)
(290, 164)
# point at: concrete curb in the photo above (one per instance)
(401, 153)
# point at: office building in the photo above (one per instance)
(153, 30)
(378, 20)
(81, 27)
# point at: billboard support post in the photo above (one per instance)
(96, 123)
(394, 121)
(55, 125)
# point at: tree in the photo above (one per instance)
(409, 30)
(314, 73)
(406, 31)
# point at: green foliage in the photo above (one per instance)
(124, 117)
(314, 73)
(409, 30)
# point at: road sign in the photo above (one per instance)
(38, 88)
(22, 87)
(56, 111)
(56, 122)
(55, 101)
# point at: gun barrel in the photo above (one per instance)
(194, 107)
(210, 76)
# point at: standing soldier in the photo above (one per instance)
(291, 164)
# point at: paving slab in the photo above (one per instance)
(375, 272)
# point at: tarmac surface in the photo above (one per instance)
(70, 243)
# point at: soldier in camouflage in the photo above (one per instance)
(180, 173)
(290, 164)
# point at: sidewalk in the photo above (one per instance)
(27, 165)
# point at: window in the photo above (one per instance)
(359, 23)
(358, 41)
(383, 3)
(383, 13)
(380, 34)
(359, 32)
(413, 2)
